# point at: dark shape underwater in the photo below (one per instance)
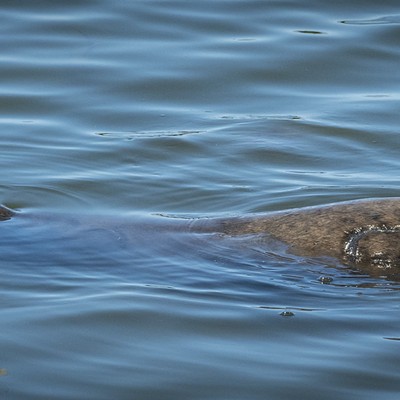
(364, 234)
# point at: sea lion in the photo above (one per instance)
(363, 233)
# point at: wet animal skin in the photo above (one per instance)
(363, 233)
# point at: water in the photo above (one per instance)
(192, 109)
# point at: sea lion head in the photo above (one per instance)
(375, 248)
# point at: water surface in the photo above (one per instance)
(193, 109)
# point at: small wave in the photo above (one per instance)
(390, 19)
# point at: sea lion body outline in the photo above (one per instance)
(360, 233)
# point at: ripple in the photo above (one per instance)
(390, 19)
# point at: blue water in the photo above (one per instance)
(145, 111)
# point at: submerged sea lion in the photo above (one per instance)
(365, 234)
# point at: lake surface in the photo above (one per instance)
(153, 110)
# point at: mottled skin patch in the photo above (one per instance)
(365, 234)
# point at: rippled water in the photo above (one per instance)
(145, 111)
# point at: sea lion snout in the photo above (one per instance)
(375, 247)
